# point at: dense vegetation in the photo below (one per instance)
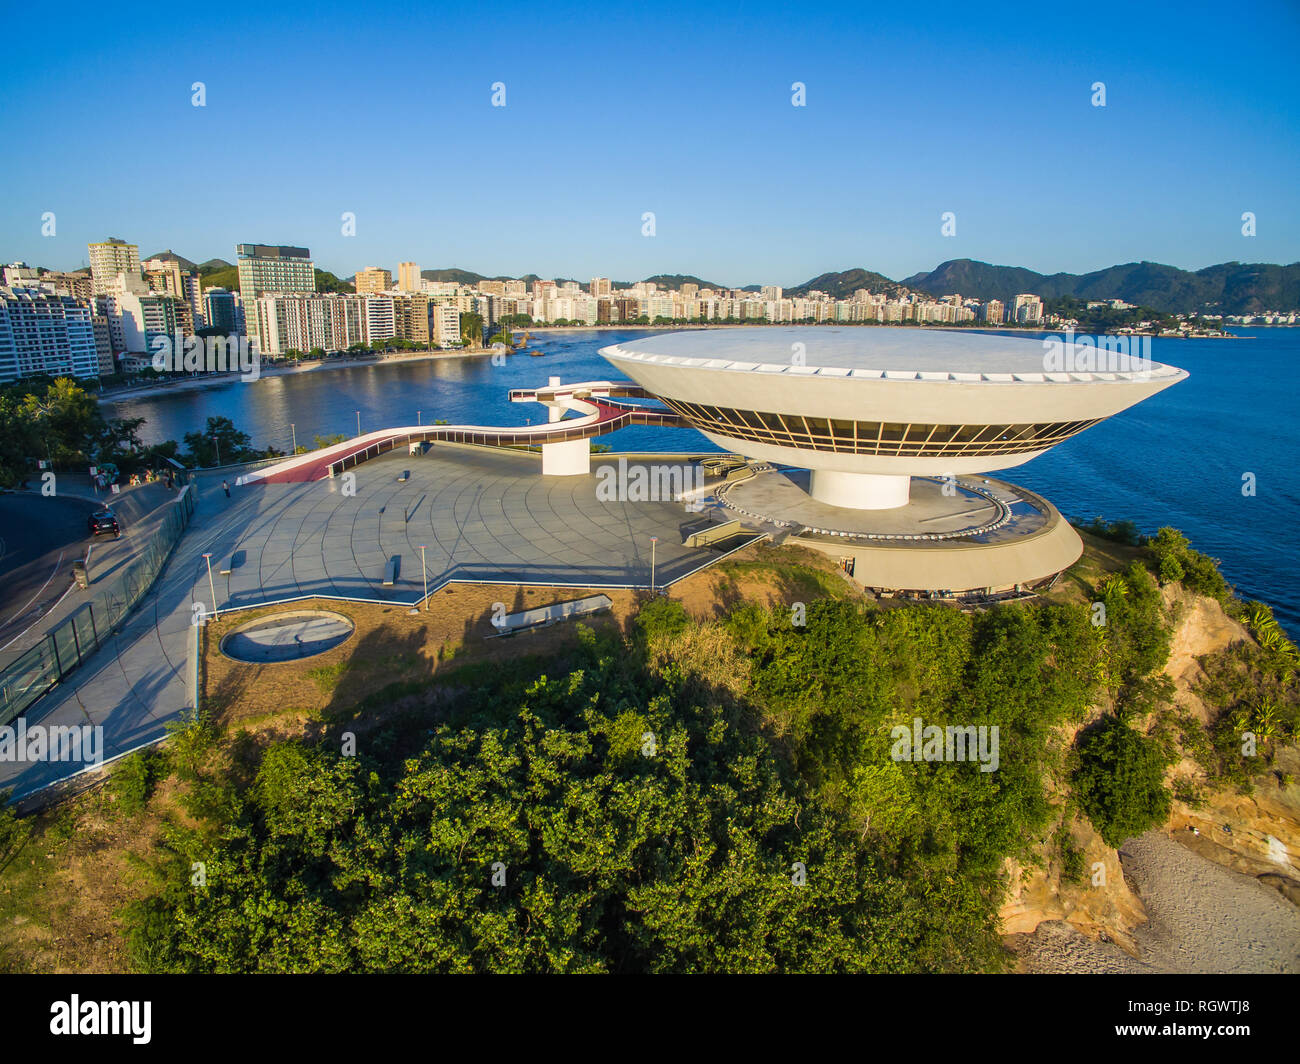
(716, 796)
(60, 422)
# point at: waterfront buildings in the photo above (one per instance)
(1027, 309)
(271, 268)
(302, 321)
(169, 277)
(444, 324)
(379, 317)
(45, 333)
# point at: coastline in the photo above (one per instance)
(709, 326)
(147, 391)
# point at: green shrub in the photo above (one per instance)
(1176, 562)
(1119, 782)
(1073, 867)
(134, 779)
(662, 616)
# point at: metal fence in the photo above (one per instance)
(106, 604)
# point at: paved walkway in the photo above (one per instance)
(483, 515)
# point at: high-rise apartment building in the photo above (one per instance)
(599, 287)
(219, 310)
(103, 344)
(444, 324)
(271, 268)
(379, 318)
(411, 317)
(373, 279)
(994, 312)
(41, 332)
(110, 258)
(301, 321)
(1027, 309)
(77, 285)
(408, 277)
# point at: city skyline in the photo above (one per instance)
(986, 114)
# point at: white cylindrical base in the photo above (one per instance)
(569, 459)
(859, 491)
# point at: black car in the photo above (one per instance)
(102, 522)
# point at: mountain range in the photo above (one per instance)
(1228, 288)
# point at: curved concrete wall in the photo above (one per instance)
(959, 567)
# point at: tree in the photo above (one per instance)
(471, 328)
(220, 442)
(1119, 781)
(66, 419)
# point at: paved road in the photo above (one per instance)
(26, 616)
(40, 537)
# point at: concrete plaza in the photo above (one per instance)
(483, 515)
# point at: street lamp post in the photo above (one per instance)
(294, 429)
(216, 613)
(653, 541)
(419, 417)
(358, 422)
(424, 569)
(217, 441)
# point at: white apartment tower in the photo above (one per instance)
(110, 258)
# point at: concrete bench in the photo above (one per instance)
(404, 476)
(390, 570)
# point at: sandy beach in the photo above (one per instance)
(1204, 919)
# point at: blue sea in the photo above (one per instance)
(1180, 458)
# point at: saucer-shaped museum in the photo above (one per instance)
(868, 444)
(865, 409)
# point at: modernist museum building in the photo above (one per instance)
(867, 443)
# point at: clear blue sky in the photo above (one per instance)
(384, 111)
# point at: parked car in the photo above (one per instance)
(102, 522)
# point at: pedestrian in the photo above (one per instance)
(225, 486)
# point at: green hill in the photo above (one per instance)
(1227, 288)
(843, 285)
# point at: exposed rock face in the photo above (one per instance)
(1262, 838)
(1108, 911)
(1200, 627)
(1257, 834)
